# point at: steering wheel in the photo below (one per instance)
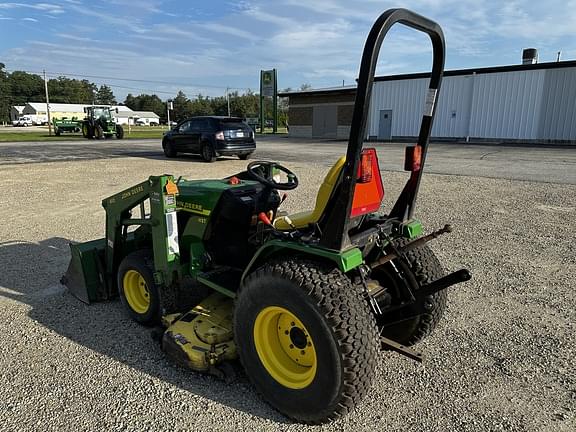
(263, 172)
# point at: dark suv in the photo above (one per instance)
(210, 137)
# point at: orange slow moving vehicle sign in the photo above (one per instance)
(369, 191)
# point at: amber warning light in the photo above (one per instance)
(413, 159)
(369, 191)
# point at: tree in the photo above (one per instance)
(182, 107)
(69, 90)
(201, 106)
(130, 101)
(26, 87)
(146, 102)
(105, 96)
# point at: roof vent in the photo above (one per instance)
(530, 56)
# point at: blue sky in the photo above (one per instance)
(204, 47)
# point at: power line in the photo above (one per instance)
(57, 74)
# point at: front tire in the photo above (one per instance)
(306, 338)
(138, 292)
(119, 132)
(98, 132)
(168, 148)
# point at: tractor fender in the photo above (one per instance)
(345, 260)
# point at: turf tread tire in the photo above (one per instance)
(142, 261)
(426, 268)
(344, 308)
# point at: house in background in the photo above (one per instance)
(16, 112)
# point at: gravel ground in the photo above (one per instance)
(502, 359)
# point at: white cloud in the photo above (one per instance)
(30, 19)
(316, 41)
(50, 8)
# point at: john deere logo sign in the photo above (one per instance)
(267, 77)
(268, 83)
(268, 92)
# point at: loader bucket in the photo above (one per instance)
(85, 277)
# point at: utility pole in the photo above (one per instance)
(47, 104)
(169, 106)
(228, 100)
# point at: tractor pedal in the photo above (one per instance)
(389, 344)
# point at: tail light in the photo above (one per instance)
(413, 159)
(368, 192)
(365, 168)
(220, 135)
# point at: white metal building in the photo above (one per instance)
(148, 118)
(37, 110)
(520, 102)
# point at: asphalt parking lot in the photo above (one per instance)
(502, 359)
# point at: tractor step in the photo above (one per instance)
(224, 279)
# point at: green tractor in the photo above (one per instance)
(99, 123)
(306, 301)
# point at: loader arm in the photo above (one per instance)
(161, 220)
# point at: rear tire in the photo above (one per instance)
(425, 268)
(245, 156)
(323, 363)
(168, 148)
(138, 292)
(87, 131)
(208, 153)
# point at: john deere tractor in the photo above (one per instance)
(305, 301)
(99, 123)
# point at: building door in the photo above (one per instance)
(325, 121)
(385, 125)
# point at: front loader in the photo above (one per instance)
(306, 301)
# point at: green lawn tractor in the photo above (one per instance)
(305, 301)
(66, 125)
(99, 123)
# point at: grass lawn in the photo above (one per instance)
(8, 134)
(136, 132)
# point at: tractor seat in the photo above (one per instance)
(303, 219)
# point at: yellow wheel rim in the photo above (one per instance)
(285, 347)
(136, 291)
